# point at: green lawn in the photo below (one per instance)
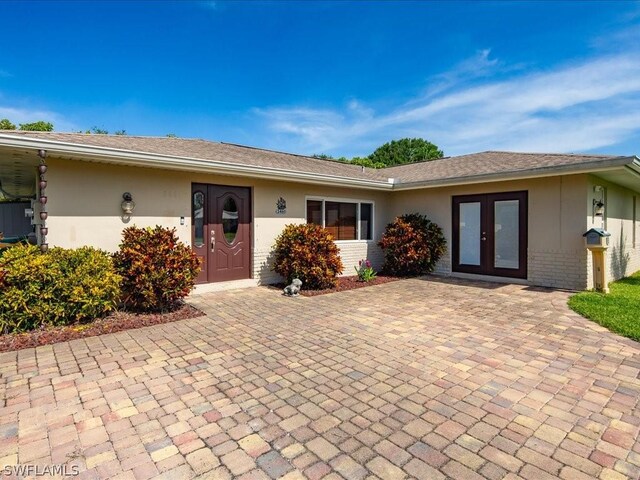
(619, 311)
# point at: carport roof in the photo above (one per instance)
(231, 159)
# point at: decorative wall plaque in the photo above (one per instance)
(281, 206)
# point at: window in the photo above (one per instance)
(345, 220)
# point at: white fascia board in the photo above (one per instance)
(142, 159)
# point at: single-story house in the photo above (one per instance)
(506, 216)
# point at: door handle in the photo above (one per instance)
(213, 240)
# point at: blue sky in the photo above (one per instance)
(332, 77)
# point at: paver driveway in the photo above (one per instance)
(418, 378)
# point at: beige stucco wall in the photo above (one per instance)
(623, 254)
(84, 208)
(85, 197)
(556, 222)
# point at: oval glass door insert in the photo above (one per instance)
(230, 219)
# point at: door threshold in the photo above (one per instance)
(490, 278)
(224, 286)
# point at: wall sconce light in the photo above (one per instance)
(128, 205)
(598, 205)
(598, 208)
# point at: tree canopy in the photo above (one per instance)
(395, 152)
(405, 150)
(5, 124)
(39, 126)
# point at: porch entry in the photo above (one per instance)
(221, 231)
(490, 234)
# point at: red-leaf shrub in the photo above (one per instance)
(308, 252)
(412, 245)
(158, 270)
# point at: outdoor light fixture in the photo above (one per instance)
(598, 208)
(128, 205)
(598, 205)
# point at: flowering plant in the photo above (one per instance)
(365, 271)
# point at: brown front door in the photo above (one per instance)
(221, 231)
(490, 234)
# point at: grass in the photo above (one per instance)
(619, 310)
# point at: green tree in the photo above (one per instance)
(405, 150)
(120, 132)
(366, 162)
(98, 131)
(5, 124)
(39, 126)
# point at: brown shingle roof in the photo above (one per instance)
(446, 169)
(215, 151)
(490, 163)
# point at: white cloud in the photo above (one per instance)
(19, 115)
(574, 107)
(209, 5)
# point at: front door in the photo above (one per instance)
(490, 234)
(221, 231)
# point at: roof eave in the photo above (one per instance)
(588, 167)
(152, 160)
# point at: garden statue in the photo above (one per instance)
(294, 289)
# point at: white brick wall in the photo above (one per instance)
(561, 269)
(443, 267)
(350, 252)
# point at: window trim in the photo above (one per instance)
(357, 201)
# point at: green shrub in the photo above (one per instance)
(307, 252)
(365, 271)
(54, 288)
(157, 270)
(412, 245)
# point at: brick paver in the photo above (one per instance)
(424, 378)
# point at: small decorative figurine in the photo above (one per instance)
(294, 289)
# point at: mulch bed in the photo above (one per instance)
(115, 322)
(344, 284)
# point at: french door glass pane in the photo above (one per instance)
(470, 233)
(507, 234)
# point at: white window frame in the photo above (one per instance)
(358, 202)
